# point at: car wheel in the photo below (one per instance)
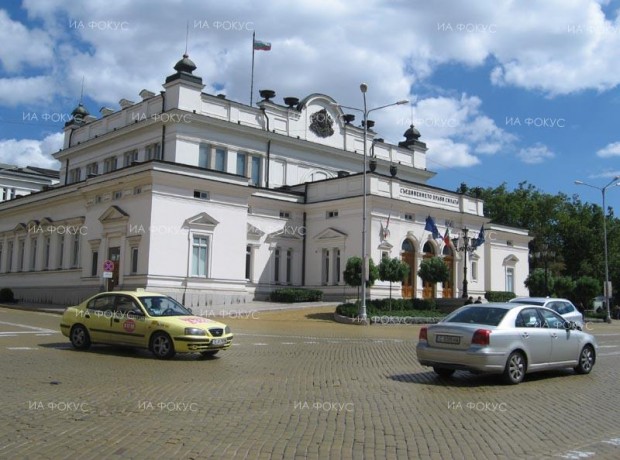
(162, 346)
(514, 372)
(586, 360)
(209, 353)
(80, 338)
(443, 372)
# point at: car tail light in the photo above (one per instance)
(423, 334)
(481, 337)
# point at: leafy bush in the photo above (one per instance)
(291, 295)
(499, 296)
(423, 304)
(6, 295)
(380, 308)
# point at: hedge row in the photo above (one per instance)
(351, 310)
(499, 296)
(6, 295)
(291, 295)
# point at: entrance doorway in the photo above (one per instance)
(408, 256)
(448, 286)
(429, 290)
(114, 254)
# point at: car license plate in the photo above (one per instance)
(218, 342)
(451, 339)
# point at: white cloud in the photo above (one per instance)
(609, 151)
(21, 46)
(536, 154)
(31, 152)
(34, 90)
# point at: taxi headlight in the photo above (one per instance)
(194, 331)
(227, 330)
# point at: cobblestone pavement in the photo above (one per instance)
(295, 385)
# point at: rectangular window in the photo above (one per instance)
(248, 262)
(201, 194)
(20, 255)
(255, 173)
(336, 266)
(134, 261)
(325, 265)
(1, 247)
(33, 254)
(285, 214)
(153, 151)
(61, 251)
(94, 263)
(200, 253)
(76, 251)
(46, 252)
(276, 263)
(204, 156)
(12, 194)
(474, 270)
(9, 256)
(331, 214)
(75, 175)
(92, 169)
(117, 195)
(109, 164)
(408, 216)
(220, 159)
(289, 265)
(242, 161)
(510, 279)
(130, 157)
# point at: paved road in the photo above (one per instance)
(295, 385)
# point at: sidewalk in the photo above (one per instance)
(211, 310)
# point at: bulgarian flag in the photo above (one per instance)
(261, 46)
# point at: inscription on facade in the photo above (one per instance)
(428, 196)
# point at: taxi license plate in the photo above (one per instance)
(218, 342)
(451, 339)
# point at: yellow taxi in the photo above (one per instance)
(144, 320)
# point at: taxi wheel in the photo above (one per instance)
(162, 346)
(80, 339)
(208, 354)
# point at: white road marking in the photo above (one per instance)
(21, 348)
(33, 329)
(610, 354)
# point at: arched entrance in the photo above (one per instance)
(408, 256)
(429, 290)
(448, 286)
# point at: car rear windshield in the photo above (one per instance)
(489, 316)
(528, 302)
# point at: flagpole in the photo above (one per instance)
(252, 78)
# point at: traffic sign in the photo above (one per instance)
(108, 266)
(108, 274)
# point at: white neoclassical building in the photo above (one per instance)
(216, 202)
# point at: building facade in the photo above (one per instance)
(217, 203)
(16, 181)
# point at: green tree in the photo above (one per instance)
(586, 288)
(352, 274)
(434, 270)
(535, 282)
(392, 270)
(564, 287)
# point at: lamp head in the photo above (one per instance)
(363, 87)
(404, 101)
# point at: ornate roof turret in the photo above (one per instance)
(412, 136)
(184, 69)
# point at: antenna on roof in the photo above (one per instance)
(186, 36)
(82, 90)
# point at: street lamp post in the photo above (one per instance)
(363, 316)
(544, 254)
(614, 182)
(465, 247)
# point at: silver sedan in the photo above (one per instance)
(508, 339)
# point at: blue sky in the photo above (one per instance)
(501, 91)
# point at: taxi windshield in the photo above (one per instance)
(163, 306)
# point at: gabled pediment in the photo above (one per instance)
(288, 232)
(21, 227)
(330, 234)
(510, 260)
(202, 221)
(385, 246)
(254, 233)
(112, 215)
